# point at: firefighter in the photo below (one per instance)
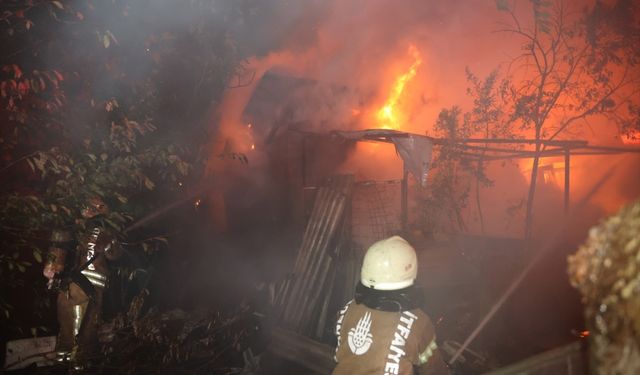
(78, 269)
(383, 330)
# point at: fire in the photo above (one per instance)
(584, 333)
(549, 172)
(387, 115)
(552, 173)
(632, 138)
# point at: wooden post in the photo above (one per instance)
(567, 178)
(404, 197)
(303, 162)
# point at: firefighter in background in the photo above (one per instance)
(78, 269)
(383, 330)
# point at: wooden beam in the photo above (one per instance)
(528, 155)
(614, 149)
(512, 150)
(404, 198)
(575, 143)
(567, 177)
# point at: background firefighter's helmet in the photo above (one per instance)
(390, 264)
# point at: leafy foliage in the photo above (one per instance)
(441, 203)
(606, 272)
(454, 174)
(199, 341)
(106, 99)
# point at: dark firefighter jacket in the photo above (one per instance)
(372, 341)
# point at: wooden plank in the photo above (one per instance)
(293, 347)
(302, 294)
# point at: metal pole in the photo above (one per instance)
(567, 178)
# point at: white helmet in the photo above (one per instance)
(390, 264)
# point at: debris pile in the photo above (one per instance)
(606, 271)
(200, 341)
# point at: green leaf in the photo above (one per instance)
(111, 36)
(183, 167)
(148, 183)
(162, 239)
(37, 256)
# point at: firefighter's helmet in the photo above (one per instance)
(390, 264)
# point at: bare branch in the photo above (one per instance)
(595, 108)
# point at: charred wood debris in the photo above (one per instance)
(200, 341)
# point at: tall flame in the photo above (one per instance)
(387, 115)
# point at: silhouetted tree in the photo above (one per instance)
(575, 67)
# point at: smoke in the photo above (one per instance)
(363, 46)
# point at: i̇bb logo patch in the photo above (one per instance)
(360, 337)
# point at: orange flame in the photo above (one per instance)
(549, 172)
(631, 139)
(387, 115)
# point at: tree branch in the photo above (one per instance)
(592, 109)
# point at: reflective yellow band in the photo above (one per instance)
(95, 278)
(424, 356)
(94, 275)
(78, 314)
